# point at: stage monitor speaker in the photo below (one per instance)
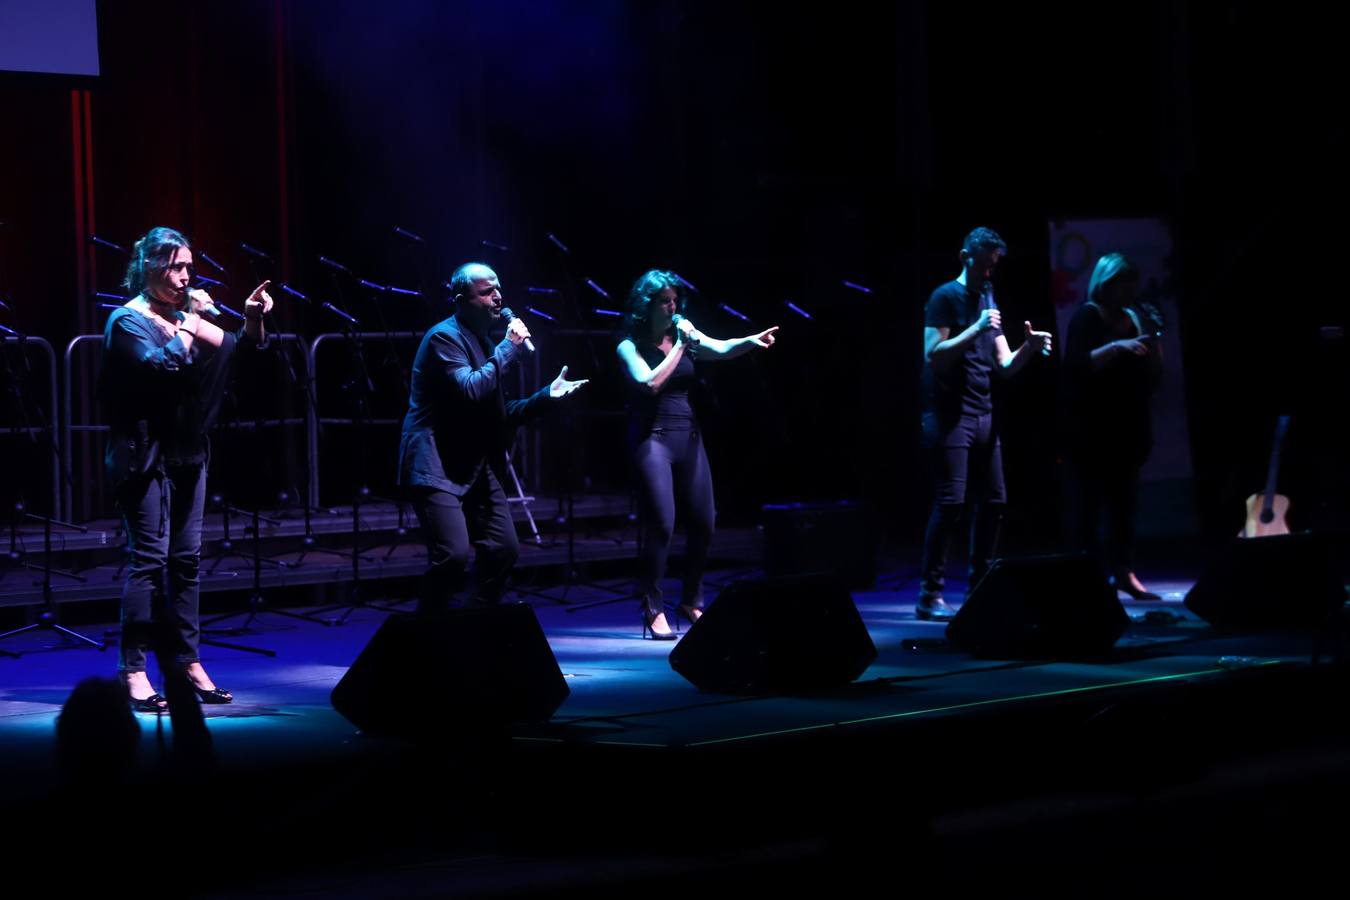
(776, 635)
(811, 538)
(1280, 581)
(1040, 607)
(455, 674)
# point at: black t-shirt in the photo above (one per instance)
(964, 390)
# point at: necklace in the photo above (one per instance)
(151, 310)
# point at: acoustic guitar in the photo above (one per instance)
(1266, 511)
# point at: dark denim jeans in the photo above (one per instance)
(162, 514)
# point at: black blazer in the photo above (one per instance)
(458, 418)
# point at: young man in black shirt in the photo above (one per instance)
(963, 345)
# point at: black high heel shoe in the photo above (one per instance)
(155, 703)
(647, 621)
(215, 695)
(933, 608)
(1129, 589)
(691, 614)
(1126, 586)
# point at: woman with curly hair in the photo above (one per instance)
(658, 351)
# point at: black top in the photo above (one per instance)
(964, 390)
(668, 408)
(459, 419)
(1106, 413)
(159, 399)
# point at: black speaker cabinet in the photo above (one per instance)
(457, 673)
(1042, 607)
(1281, 581)
(776, 635)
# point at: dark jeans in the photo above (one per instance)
(162, 515)
(451, 525)
(967, 465)
(673, 472)
(1094, 485)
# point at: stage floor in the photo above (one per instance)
(615, 676)
(930, 728)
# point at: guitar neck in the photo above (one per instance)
(1272, 473)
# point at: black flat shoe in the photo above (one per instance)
(155, 703)
(215, 695)
(933, 609)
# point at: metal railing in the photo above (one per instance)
(51, 428)
(69, 427)
(315, 421)
(73, 373)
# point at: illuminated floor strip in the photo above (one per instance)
(977, 703)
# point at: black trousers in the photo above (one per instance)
(452, 526)
(162, 515)
(1097, 485)
(673, 473)
(967, 466)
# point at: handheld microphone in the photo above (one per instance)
(207, 309)
(691, 334)
(507, 316)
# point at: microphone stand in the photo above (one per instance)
(394, 362)
(362, 387)
(567, 500)
(309, 542)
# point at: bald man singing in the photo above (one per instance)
(452, 458)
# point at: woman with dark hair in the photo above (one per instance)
(1111, 365)
(164, 369)
(658, 352)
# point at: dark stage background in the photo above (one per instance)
(766, 155)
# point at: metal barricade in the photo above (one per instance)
(315, 420)
(312, 410)
(51, 428)
(69, 427)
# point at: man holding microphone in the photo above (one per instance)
(452, 457)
